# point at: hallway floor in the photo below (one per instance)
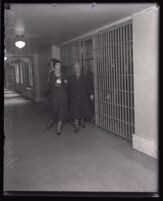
(36, 159)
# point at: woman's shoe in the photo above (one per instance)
(50, 124)
(58, 132)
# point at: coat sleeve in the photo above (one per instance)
(49, 85)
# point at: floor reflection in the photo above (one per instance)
(12, 98)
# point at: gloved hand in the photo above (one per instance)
(91, 96)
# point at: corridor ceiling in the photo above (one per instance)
(53, 24)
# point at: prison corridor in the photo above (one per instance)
(36, 159)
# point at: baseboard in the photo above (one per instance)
(146, 146)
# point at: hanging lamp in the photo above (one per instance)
(19, 42)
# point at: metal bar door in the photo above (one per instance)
(114, 91)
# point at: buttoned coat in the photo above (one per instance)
(79, 95)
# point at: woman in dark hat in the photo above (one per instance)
(57, 93)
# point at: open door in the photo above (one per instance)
(114, 90)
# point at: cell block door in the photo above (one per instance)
(114, 89)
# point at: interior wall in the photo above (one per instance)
(9, 76)
(44, 57)
(145, 49)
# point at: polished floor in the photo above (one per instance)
(36, 159)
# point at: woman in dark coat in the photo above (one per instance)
(79, 93)
(57, 93)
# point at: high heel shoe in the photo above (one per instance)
(50, 124)
(58, 132)
(59, 128)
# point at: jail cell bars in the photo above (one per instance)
(114, 100)
(77, 51)
(70, 55)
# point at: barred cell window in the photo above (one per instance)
(114, 91)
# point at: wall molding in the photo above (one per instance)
(146, 146)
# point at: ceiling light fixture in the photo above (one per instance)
(5, 58)
(19, 43)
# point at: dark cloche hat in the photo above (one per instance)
(55, 61)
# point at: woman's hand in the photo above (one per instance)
(91, 96)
